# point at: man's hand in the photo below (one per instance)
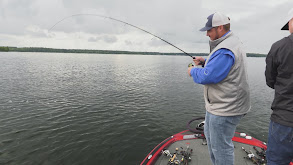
(198, 60)
(189, 69)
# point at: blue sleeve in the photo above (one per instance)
(216, 69)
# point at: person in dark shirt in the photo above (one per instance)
(279, 76)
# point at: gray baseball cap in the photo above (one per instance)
(215, 20)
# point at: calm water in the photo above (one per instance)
(104, 109)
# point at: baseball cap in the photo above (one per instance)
(214, 20)
(289, 17)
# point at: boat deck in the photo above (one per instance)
(186, 140)
(200, 154)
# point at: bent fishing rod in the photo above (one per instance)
(114, 19)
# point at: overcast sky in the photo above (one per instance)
(26, 23)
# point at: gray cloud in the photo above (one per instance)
(128, 43)
(92, 39)
(105, 38)
(257, 23)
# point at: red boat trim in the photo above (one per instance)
(151, 155)
(253, 141)
(156, 152)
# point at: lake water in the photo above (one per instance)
(91, 109)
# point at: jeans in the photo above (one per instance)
(280, 144)
(219, 131)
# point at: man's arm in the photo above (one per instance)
(271, 67)
(217, 68)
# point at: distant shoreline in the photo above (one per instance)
(89, 51)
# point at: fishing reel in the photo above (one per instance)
(199, 63)
(175, 160)
(190, 65)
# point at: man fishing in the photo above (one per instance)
(226, 89)
(279, 76)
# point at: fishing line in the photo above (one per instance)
(114, 19)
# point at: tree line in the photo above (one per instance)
(4, 49)
(89, 51)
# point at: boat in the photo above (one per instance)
(190, 147)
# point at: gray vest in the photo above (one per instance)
(229, 97)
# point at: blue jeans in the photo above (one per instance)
(280, 144)
(219, 131)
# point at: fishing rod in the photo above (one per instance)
(261, 154)
(114, 19)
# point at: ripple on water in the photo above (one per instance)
(73, 108)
